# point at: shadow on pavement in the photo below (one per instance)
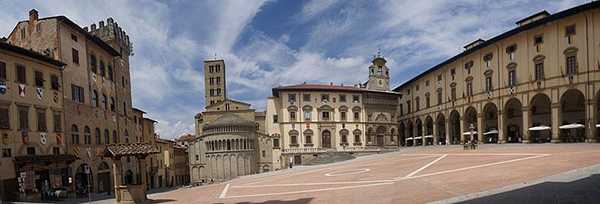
(298, 201)
(586, 190)
(162, 200)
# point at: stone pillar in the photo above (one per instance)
(436, 140)
(415, 132)
(480, 130)
(423, 132)
(526, 124)
(117, 177)
(142, 164)
(501, 127)
(591, 121)
(556, 118)
(461, 131)
(447, 127)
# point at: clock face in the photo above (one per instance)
(380, 82)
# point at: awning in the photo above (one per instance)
(491, 132)
(572, 126)
(539, 128)
(469, 133)
(428, 136)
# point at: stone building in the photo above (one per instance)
(31, 124)
(165, 174)
(97, 95)
(313, 119)
(182, 166)
(228, 129)
(535, 83)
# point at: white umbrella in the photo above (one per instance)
(418, 137)
(598, 125)
(469, 133)
(429, 136)
(491, 132)
(572, 126)
(410, 138)
(539, 128)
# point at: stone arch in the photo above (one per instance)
(513, 122)
(344, 136)
(470, 118)
(489, 134)
(540, 109)
(419, 130)
(455, 128)
(428, 134)
(572, 108)
(402, 134)
(326, 139)
(441, 128)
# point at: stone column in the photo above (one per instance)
(480, 130)
(117, 177)
(436, 140)
(462, 130)
(556, 118)
(526, 124)
(415, 128)
(423, 132)
(501, 127)
(591, 121)
(142, 164)
(447, 127)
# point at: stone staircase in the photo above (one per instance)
(329, 157)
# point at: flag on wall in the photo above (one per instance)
(570, 39)
(537, 48)
(25, 136)
(58, 138)
(76, 151)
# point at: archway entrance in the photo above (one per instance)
(490, 123)
(455, 127)
(103, 177)
(428, 138)
(441, 130)
(402, 134)
(470, 119)
(381, 135)
(82, 181)
(541, 119)
(326, 139)
(573, 116)
(514, 121)
(410, 141)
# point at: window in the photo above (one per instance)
(344, 138)
(211, 92)
(512, 80)
(106, 137)
(275, 142)
(218, 91)
(104, 104)
(510, 50)
(57, 121)
(23, 36)
(110, 73)
(98, 136)
(453, 93)
(427, 83)
(427, 103)
(41, 119)
(355, 98)
(274, 118)
(23, 117)
(453, 72)
(538, 39)
(308, 138)
(292, 115)
(211, 68)
(30, 150)
(2, 70)
(75, 55)
(112, 104)
(6, 152)
(379, 70)
(468, 66)
(123, 81)
(87, 135)
(54, 85)
(417, 101)
(4, 118)
(439, 79)
(417, 87)
(95, 98)
(38, 27)
(74, 37)
(325, 115)
(21, 74)
(56, 150)
(488, 59)
(218, 80)
(571, 65)
(102, 70)
(342, 98)
(357, 138)
(78, 95)
(469, 89)
(306, 97)
(124, 108)
(488, 84)
(343, 115)
(93, 63)
(218, 68)
(439, 98)
(294, 139)
(570, 30)
(307, 114)
(356, 115)
(74, 134)
(539, 71)
(264, 153)
(39, 79)
(408, 107)
(292, 98)
(325, 98)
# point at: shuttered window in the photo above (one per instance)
(41, 119)
(2, 70)
(54, 82)
(21, 75)
(4, 119)
(57, 122)
(23, 118)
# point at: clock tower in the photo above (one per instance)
(379, 74)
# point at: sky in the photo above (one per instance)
(267, 43)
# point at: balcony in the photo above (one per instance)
(308, 150)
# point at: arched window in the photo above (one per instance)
(126, 136)
(112, 104)
(87, 134)
(95, 98)
(115, 137)
(104, 105)
(93, 63)
(74, 134)
(379, 70)
(110, 73)
(98, 137)
(106, 137)
(102, 68)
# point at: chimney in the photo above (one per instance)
(33, 16)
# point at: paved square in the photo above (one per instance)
(414, 175)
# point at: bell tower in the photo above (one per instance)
(214, 80)
(379, 74)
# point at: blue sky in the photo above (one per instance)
(270, 43)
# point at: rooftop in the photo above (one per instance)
(30, 53)
(129, 149)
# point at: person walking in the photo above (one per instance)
(447, 142)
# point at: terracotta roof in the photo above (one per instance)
(139, 110)
(150, 120)
(228, 120)
(230, 100)
(186, 137)
(45, 158)
(30, 53)
(161, 140)
(260, 113)
(180, 147)
(129, 149)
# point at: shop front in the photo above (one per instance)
(42, 177)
